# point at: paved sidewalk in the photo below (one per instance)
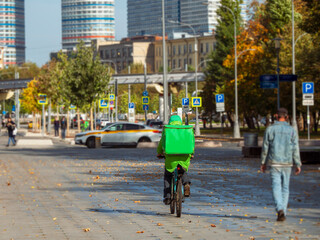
(71, 192)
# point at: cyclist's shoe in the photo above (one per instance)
(281, 216)
(187, 190)
(167, 201)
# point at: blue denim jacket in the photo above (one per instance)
(280, 146)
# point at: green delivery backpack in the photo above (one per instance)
(178, 139)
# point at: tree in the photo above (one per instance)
(216, 73)
(85, 79)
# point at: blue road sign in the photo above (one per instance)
(112, 97)
(4, 112)
(145, 100)
(270, 81)
(197, 102)
(307, 88)
(185, 101)
(220, 98)
(103, 103)
(131, 105)
(145, 94)
(13, 108)
(146, 107)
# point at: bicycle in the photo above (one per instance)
(177, 191)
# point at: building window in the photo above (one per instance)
(207, 47)
(185, 62)
(118, 53)
(190, 48)
(106, 52)
(190, 61)
(179, 63)
(174, 50)
(179, 50)
(184, 49)
(101, 54)
(173, 64)
(201, 48)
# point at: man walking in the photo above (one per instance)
(63, 126)
(280, 150)
(11, 127)
(56, 124)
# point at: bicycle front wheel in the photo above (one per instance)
(179, 198)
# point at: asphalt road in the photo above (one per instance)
(71, 192)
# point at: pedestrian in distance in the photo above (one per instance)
(63, 126)
(56, 124)
(171, 163)
(280, 151)
(10, 127)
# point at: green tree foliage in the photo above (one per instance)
(216, 73)
(85, 79)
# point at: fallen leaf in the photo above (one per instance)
(90, 195)
(213, 225)
(31, 173)
(97, 177)
(140, 231)
(8, 183)
(86, 229)
(227, 230)
(116, 200)
(54, 219)
(159, 224)
(59, 184)
(136, 201)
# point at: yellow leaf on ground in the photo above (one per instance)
(86, 229)
(213, 225)
(140, 231)
(159, 224)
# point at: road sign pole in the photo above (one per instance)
(308, 122)
(43, 119)
(278, 79)
(145, 89)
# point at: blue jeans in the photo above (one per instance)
(12, 140)
(280, 177)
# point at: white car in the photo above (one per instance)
(119, 134)
(104, 122)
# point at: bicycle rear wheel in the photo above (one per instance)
(179, 198)
(173, 202)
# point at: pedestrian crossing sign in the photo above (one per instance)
(112, 97)
(145, 100)
(72, 107)
(196, 102)
(42, 99)
(103, 103)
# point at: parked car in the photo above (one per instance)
(104, 122)
(119, 134)
(156, 124)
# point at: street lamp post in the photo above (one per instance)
(165, 81)
(197, 130)
(236, 129)
(277, 47)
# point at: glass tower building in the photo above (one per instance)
(144, 16)
(87, 20)
(12, 32)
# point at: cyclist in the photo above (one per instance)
(171, 163)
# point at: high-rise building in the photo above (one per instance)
(87, 20)
(12, 32)
(144, 16)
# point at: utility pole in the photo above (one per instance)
(165, 82)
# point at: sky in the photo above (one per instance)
(43, 27)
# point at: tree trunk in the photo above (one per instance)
(49, 117)
(68, 121)
(210, 120)
(78, 119)
(40, 121)
(91, 118)
(230, 118)
(315, 120)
